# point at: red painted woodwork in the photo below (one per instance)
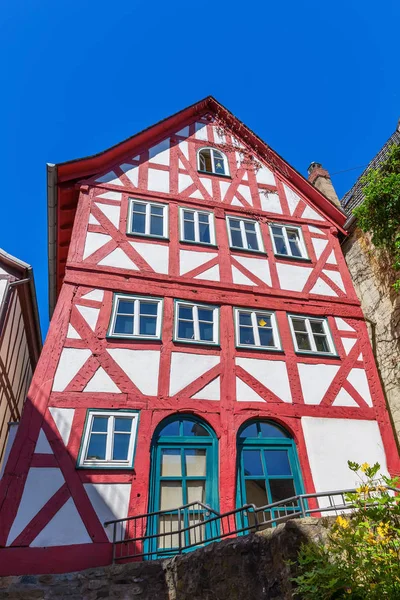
(78, 197)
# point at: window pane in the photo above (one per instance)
(204, 232)
(148, 325)
(171, 462)
(171, 429)
(269, 430)
(299, 325)
(123, 324)
(123, 424)
(138, 223)
(205, 314)
(252, 242)
(148, 308)
(280, 245)
(156, 210)
(204, 218)
(195, 462)
(317, 327)
(256, 492)
(100, 423)
(263, 320)
(294, 243)
(205, 161)
(97, 447)
(244, 318)
(185, 330)
(236, 238)
(138, 207)
(321, 343)
(186, 312)
(250, 431)
(266, 336)
(276, 231)
(191, 428)
(169, 524)
(188, 215)
(249, 227)
(188, 231)
(252, 462)
(121, 446)
(170, 495)
(219, 166)
(196, 491)
(126, 307)
(156, 225)
(206, 332)
(281, 489)
(246, 336)
(277, 462)
(303, 342)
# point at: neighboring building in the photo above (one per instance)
(373, 279)
(207, 344)
(20, 343)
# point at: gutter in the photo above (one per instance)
(52, 233)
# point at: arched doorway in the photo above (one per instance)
(184, 472)
(268, 467)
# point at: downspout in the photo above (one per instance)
(52, 233)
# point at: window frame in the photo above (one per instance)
(196, 305)
(196, 212)
(147, 204)
(285, 227)
(275, 329)
(327, 331)
(261, 249)
(108, 463)
(224, 157)
(136, 322)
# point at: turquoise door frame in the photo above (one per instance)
(275, 463)
(181, 446)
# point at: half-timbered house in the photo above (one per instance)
(206, 344)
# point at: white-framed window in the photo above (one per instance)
(210, 160)
(311, 334)
(197, 226)
(147, 218)
(244, 234)
(256, 329)
(288, 240)
(197, 323)
(136, 317)
(109, 439)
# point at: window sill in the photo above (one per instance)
(248, 251)
(318, 354)
(203, 244)
(105, 467)
(118, 336)
(214, 174)
(293, 258)
(260, 349)
(195, 343)
(148, 236)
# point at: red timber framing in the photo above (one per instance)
(91, 203)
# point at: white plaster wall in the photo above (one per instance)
(209, 392)
(310, 213)
(63, 418)
(101, 382)
(111, 212)
(315, 380)
(259, 267)
(117, 258)
(12, 432)
(158, 181)
(332, 442)
(292, 198)
(90, 315)
(141, 366)
(71, 361)
(186, 367)
(271, 373)
(110, 501)
(358, 380)
(93, 242)
(110, 177)
(264, 175)
(159, 154)
(154, 254)
(270, 202)
(132, 173)
(64, 529)
(190, 260)
(292, 277)
(41, 484)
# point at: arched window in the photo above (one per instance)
(210, 160)
(268, 466)
(184, 471)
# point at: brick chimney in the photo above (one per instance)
(321, 179)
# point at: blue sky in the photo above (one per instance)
(318, 82)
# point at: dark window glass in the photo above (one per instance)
(125, 307)
(294, 242)
(193, 428)
(277, 462)
(252, 242)
(185, 330)
(172, 429)
(99, 424)
(121, 446)
(256, 492)
(97, 447)
(122, 424)
(281, 489)
(299, 325)
(188, 232)
(321, 343)
(205, 160)
(244, 318)
(186, 312)
(250, 431)
(148, 308)
(303, 342)
(246, 335)
(269, 430)
(148, 325)
(280, 245)
(266, 337)
(317, 327)
(124, 324)
(205, 314)
(252, 462)
(156, 225)
(204, 233)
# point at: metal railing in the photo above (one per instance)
(168, 532)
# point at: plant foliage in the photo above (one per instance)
(379, 214)
(361, 557)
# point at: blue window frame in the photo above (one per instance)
(184, 471)
(269, 470)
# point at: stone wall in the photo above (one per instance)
(373, 278)
(252, 567)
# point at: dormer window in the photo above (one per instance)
(213, 161)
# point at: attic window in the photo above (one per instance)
(213, 161)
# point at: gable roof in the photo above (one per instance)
(355, 196)
(63, 194)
